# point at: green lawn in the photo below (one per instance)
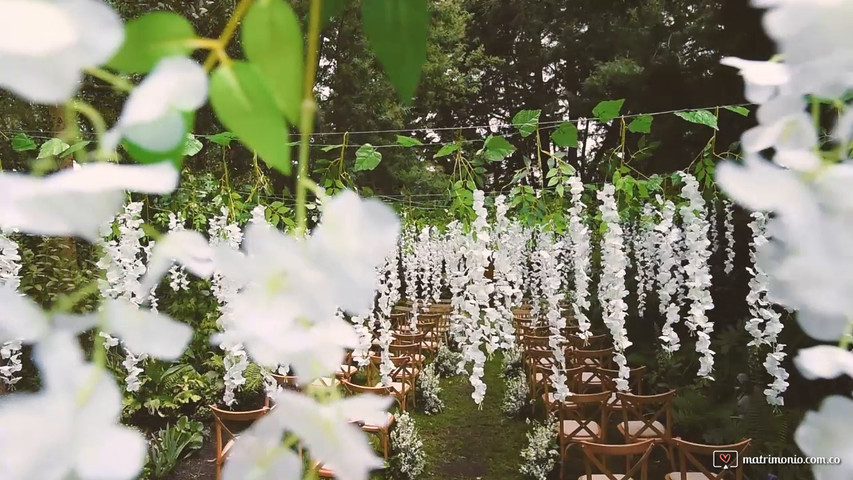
(464, 442)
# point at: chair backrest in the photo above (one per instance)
(411, 351)
(400, 370)
(594, 342)
(688, 461)
(407, 338)
(536, 342)
(228, 424)
(587, 410)
(648, 409)
(597, 455)
(429, 316)
(635, 379)
(602, 358)
(539, 358)
(399, 319)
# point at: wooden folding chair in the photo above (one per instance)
(432, 340)
(593, 359)
(693, 468)
(381, 431)
(348, 368)
(581, 419)
(224, 418)
(597, 456)
(400, 321)
(415, 367)
(401, 380)
(573, 376)
(648, 417)
(608, 381)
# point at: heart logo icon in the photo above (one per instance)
(726, 457)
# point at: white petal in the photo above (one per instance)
(157, 178)
(367, 408)
(259, 454)
(112, 453)
(826, 433)
(145, 331)
(163, 134)
(758, 185)
(800, 160)
(759, 72)
(823, 327)
(35, 427)
(61, 363)
(188, 248)
(20, 318)
(23, 24)
(824, 361)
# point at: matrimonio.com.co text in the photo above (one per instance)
(789, 460)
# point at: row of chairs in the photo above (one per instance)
(584, 418)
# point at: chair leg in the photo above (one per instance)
(383, 437)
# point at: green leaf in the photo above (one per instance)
(366, 158)
(641, 124)
(22, 142)
(566, 135)
(608, 110)
(224, 138)
(245, 105)
(151, 37)
(446, 150)
(329, 148)
(641, 188)
(526, 121)
(272, 40)
(739, 110)
(52, 148)
(398, 31)
(75, 148)
(702, 117)
(192, 145)
(497, 148)
(408, 141)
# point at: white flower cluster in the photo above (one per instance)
(667, 238)
(805, 189)
(123, 264)
(765, 325)
(611, 287)
(235, 359)
(409, 460)
(697, 271)
(477, 315)
(388, 294)
(730, 237)
(429, 389)
(10, 267)
(411, 266)
(713, 229)
(177, 273)
(507, 257)
(644, 246)
(446, 361)
(551, 282)
(581, 255)
(540, 455)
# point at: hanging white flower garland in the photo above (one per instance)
(611, 287)
(667, 240)
(10, 267)
(697, 271)
(765, 325)
(123, 265)
(551, 282)
(580, 238)
(728, 224)
(643, 250)
(235, 359)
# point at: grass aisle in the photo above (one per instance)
(463, 442)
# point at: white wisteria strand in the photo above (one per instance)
(697, 271)
(611, 287)
(729, 226)
(10, 351)
(581, 253)
(667, 238)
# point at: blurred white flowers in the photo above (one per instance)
(826, 433)
(77, 202)
(45, 45)
(153, 115)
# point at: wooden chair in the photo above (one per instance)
(401, 380)
(348, 368)
(538, 365)
(608, 381)
(593, 359)
(224, 418)
(415, 367)
(648, 417)
(381, 431)
(597, 455)
(581, 419)
(432, 339)
(692, 468)
(573, 376)
(400, 321)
